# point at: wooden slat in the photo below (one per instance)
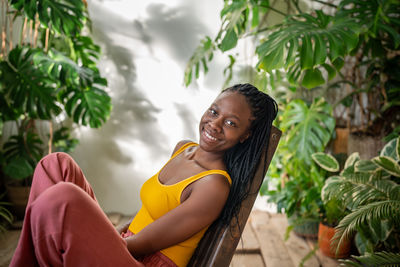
(247, 260)
(324, 261)
(219, 243)
(297, 247)
(8, 243)
(271, 242)
(248, 242)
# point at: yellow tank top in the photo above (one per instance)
(158, 199)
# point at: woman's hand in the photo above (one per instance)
(123, 227)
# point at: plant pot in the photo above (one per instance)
(304, 227)
(325, 235)
(18, 196)
(341, 140)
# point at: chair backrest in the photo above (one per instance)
(218, 244)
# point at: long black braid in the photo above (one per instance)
(241, 160)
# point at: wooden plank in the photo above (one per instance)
(247, 260)
(297, 247)
(324, 261)
(8, 243)
(248, 242)
(272, 247)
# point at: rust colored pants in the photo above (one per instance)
(65, 226)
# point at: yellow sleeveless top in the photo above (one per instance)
(158, 199)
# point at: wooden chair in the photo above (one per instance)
(218, 244)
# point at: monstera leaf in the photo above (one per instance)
(87, 106)
(305, 43)
(64, 16)
(309, 128)
(27, 89)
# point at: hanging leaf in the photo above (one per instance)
(203, 53)
(64, 16)
(229, 41)
(312, 78)
(28, 89)
(89, 106)
(390, 149)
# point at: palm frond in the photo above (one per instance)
(370, 213)
(376, 259)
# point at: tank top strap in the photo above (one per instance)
(205, 173)
(189, 144)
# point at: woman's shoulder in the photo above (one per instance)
(181, 144)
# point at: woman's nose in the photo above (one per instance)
(216, 124)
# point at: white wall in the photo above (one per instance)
(146, 46)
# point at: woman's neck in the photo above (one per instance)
(208, 160)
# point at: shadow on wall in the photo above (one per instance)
(114, 157)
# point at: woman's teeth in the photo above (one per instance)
(209, 136)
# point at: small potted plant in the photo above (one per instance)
(332, 213)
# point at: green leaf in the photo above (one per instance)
(18, 168)
(326, 161)
(352, 159)
(309, 128)
(64, 16)
(391, 149)
(319, 50)
(388, 164)
(312, 78)
(28, 89)
(203, 53)
(306, 53)
(331, 71)
(229, 41)
(365, 166)
(90, 106)
(338, 63)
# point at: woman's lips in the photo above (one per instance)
(209, 137)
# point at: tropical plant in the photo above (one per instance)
(309, 48)
(48, 74)
(370, 189)
(307, 129)
(5, 215)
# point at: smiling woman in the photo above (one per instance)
(200, 184)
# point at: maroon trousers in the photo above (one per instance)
(64, 225)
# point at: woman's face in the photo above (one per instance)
(225, 123)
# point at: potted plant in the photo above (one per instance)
(307, 128)
(370, 189)
(332, 212)
(49, 84)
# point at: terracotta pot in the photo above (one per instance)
(325, 235)
(18, 196)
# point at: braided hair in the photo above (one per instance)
(242, 159)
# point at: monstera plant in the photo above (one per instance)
(307, 129)
(347, 47)
(370, 189)
(48, 76)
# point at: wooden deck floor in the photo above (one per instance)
(262, 244)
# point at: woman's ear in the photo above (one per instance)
(244, 137)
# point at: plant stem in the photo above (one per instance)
(325, 3)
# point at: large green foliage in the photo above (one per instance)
(40, 80)
(307, 128)
(373, 196)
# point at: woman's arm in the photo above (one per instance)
(199, 210)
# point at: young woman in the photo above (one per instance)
(64, 225)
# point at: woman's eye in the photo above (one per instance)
(213, 112)
(230, 123)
